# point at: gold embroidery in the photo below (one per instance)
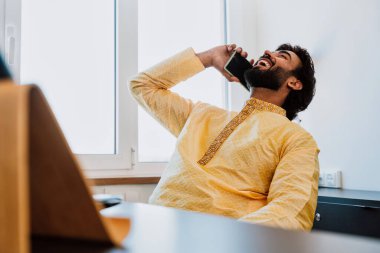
(251, 105)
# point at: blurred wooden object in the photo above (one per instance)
(14, 183)
(42, 189)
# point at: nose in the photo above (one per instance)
(271, 56)
(268, 53)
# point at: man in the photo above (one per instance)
(255, 165)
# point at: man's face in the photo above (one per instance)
(272, 70)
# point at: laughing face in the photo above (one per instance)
(273, 69)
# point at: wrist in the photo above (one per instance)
(205, 58)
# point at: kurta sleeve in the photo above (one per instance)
(151, 89)
(293, 192)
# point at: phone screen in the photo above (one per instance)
(236, 66)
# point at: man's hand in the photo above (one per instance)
(218, 56)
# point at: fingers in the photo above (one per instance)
(240, 50)
(252, 61)
(234, 79)
(242, 53)
(230, 78)
(231, 47)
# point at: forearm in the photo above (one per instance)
(293, 192)
(169, 72)
(150, 88)
(206, 58)
(279, 213)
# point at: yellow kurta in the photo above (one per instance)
(256, 165)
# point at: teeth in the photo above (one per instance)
(265, 63)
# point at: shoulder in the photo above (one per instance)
(299, 138)
(205, 108)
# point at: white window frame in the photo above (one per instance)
(2, 27)
(124, 163)
(10, 26)
(237, 32)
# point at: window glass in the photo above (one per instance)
(166, 27)
(68, 49)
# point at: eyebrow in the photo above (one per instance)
(285, 52)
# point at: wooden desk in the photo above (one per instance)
(166, 230)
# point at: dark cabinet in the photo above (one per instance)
(348, 211)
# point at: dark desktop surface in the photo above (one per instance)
(354, 212)
(167, 230)
(360, 197)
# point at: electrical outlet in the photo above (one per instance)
(331, 179)
(322, 179)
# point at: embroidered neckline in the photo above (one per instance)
(251, 104)
(265, 106)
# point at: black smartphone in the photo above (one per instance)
(236, 66)
(4, 73)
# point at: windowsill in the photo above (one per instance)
(123, 180)
(142, 173)
(122, 177)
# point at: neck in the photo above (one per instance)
(267, 95)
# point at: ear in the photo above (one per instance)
(294, 84)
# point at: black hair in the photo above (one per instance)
(299, 100)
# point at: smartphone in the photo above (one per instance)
(4, 73)
(236, 66)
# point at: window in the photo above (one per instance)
(166, 27)
(2, 26)
(82, 58)
(72, 59)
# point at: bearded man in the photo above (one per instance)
(255, 165)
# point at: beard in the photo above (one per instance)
(269, 78)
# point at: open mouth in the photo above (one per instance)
(264, 63)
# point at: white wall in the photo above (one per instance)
(343, 37)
